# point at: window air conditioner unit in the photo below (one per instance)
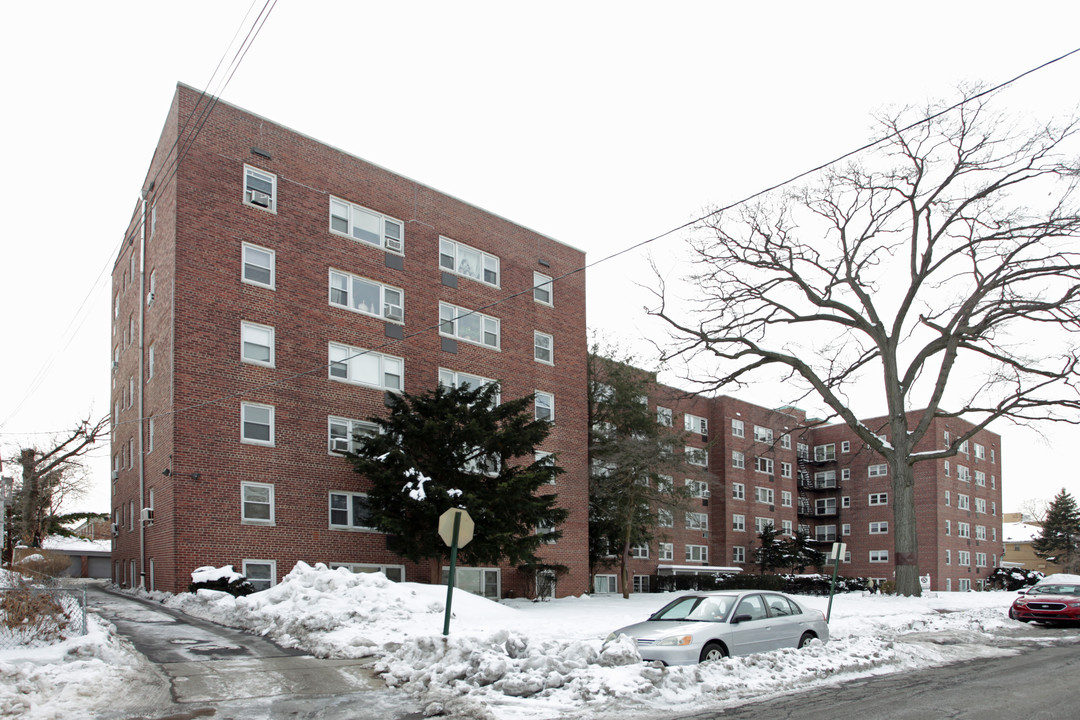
(115, 474)
(340, 444)
(393, 244)
(393, 312)
(115, 529)
(257, 197)
(147, 515)
(705, 494)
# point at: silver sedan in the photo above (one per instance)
(711, 625)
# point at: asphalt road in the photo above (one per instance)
(1038, 682)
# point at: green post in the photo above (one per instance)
(450, 579)
(832, 586)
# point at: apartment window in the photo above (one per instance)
(131, 391)
(980, 505)
(845, 501)
(738, 428)
(963, 502)
(764, 495)
(547, 531)
(260, 189)
(257, 503)
(697, 488)
(785, 469)
(879, 470)
(980, 452)
(150, 436)
(763, 434)
(825, 453)
(367, 226)
(738, 554)
(825, 479)
(697, 521)
(697, 553)
(993, 483)
(257, 424)
(948, 527)
(350, 510)
(738, 460)
(665, 518)
(845, 473)
(980, 478)
(963, 529)
(963, 558)
(738, 523)
(542, 289)
(469, 262)
(472, 327)
(763, 465)
(262, 574)
(825, 533)
(342, 433)
(785, 441)
(257, 344)
(825, 506)
(993, 508)
(786, 527)
(991, 455)
(665, 484)
(948, 557)
(845, 446)
(845, 529)
(948, 498)
(879, 528)
(760, 523)
(696, 456)
(980, 559)
(964, 447)
(152, 288)
(258, 266)
(640, 551)
(453, 379)
(366, 296)
(542, 344)
(665, 551)
(738, 491)
(946, 468)
(365, 367)
(696, 424)
(663, 416)
(879, 498)
(980, 532)
(946, 438)
(545, 406)
(785, 498)
(151, 352)
(879, 556)
(963, 474)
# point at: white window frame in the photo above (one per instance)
(980, 532)
(760, 523)
(963, 473)
(738, 522)
(349, 510)
(386, 239)
(878, 498)
(879, 556)
(765, 495)
(543, 289)
(845, 501)
(246, 260)
(963, 559)
(348, 358)
(738, 554)
(738, 491)
(640, 551)
(151, 353)
(250, 195)
(785, 469)
(269, 503)
(352, 428)
(451, 260)
(879, 470)
(451, 317)
(697, 553)
(544, 405)
(664, 416)
(695, 424)
(272, 564)
(244, 421)
(697, 521)
(980, 478)
(696, 456)
(665, 517)
(785, 498)
(665, 551)
(738, 459)
(825, 453)
(963, 529)
(150, 437)
(249, 335)
(787, 527)
(845, 446)
(763, 434)
(543, 343)
(738, 428)
(879, 528)
(455, 379)
(963, 502)
(785, 441)
(764, 465)
(389, 307)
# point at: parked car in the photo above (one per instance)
(712, 625)
(1054, 599)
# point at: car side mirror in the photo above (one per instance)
(1021, 591)
(741, 618)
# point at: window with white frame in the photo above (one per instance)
(260, 189)
(365, 367)
(845, 446)
(469, 262)
(879, 470)
(665, 484)
(262, 574)
(980, 505)
(825, 453)
(948, 527)
(542, 289)
(454, 379)
(257, 344)
(350, 510)
(697, 521)
(879, 498)
(763, 465)
(545, 406)
(697, 553)
(825, 506)
(696, 456)
(963, 474)
(879, 528)
(738, 554)
(980, 532)
(802, 450)
(845, 474)
(785, 469)
(150, 436)
(151, 291)
(825, 479)
(366, 297)
(697, 488)
(825, 533)
(763, 434)
(948, 557)
(980, 559)
(256, 503)
(257, 424)
(665, 551)
(992, 458)
(696, 424)
(963, 502)
(479, 463)
(542, 348)
(785, 441)
(663, 416)
(738, 460)
(845, 529)
(469, 326)
(963, 529)
(993, 508)
(258, 266)
(980, 478)
(948, 498)
(963, 558)
(738, 428)
(151, 353)
(946, 468)
(738, 491)
(785, 498)
(764, 495)
(760, 523)
(343, 432)
(640, 551)
(879, 556)
(738, 522)
(546, 529)
(665, 518)
(367, 226)
(964, 448)
(980, 452)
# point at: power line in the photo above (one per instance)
(628, 249)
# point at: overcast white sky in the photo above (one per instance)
(600, 124)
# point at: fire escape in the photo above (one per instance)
(818, 487)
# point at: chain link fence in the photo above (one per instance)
(32, 616)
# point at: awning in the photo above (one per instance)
(696, 570)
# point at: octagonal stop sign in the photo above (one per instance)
(465, 527)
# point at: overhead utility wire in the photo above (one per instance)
(630, 248)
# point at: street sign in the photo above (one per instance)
(838, 550)
(465, 527)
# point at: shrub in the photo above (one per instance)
(237, 587)
(44, 564)
(793, 584)
(1012, 578)
(36, 613)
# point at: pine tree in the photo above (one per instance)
(800, 554)
(461, 448)
(771, 552)
(1060, 540)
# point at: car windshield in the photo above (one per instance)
(1055, 590)
(696, 608)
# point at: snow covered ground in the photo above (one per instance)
(521, 660)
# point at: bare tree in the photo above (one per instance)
(52, 475)
(918, 278)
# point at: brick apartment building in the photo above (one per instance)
(270, 291)
(777, 467)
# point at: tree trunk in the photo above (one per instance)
(906, 539)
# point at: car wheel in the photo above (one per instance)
(713, 651)
(806, 638)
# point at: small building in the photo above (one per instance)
(1019, 535)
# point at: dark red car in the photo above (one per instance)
(1051, 600)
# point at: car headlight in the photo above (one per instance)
(1020, 603)
(676, 640)
(1073, 604)
(610, 637)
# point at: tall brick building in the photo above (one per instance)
(776, 467)
(270, 291)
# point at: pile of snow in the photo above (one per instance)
(209, 573)
(75, 544)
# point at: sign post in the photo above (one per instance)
(837, 553)
(456, 530)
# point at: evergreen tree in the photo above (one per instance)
(461, 448)
(1060, 540)
(771, 552)
(800, 554)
